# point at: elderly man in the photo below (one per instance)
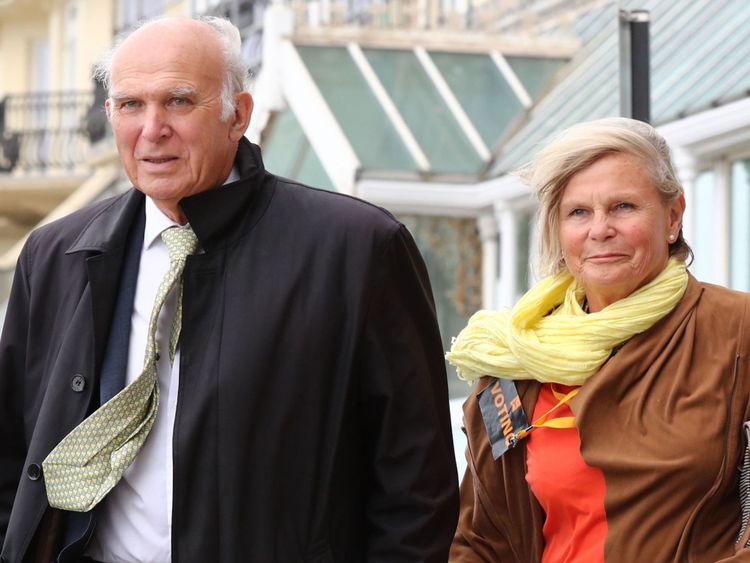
(220, 364)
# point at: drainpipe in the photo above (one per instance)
(635, 71)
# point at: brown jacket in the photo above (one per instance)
(662, 419)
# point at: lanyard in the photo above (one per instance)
(546, 422)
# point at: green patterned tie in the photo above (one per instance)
(91, 459)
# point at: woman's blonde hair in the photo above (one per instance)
(578, 147)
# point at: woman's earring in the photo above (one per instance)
(671, 238)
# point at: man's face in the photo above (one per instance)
(165, 111)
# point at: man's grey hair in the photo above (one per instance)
(236, 74)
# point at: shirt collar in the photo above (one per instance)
(156, 223)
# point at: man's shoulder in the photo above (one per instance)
(336, 209)
(63, 232)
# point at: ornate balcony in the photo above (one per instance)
(47, 131)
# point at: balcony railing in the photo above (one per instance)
(375, 14)
(49, 130)
(509, 16)
(466, 15)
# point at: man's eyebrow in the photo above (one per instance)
(119, 96)
(183, 91)
(179, 91)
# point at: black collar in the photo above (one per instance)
(109, 228)
(214, 214)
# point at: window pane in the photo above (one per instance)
(525, 227)
(740, 222)
(288, 153)
(705, 228)
(282, 142)
(311, 171)
(482, 91)
(431, 122)
(357, 111)
(534, 73)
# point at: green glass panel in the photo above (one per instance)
(356, 109)
(312, 173)
(452, 252)
(485, 96)
(740, 221)
(282, 142)
(431, 122)
(533, 72)
(525, 228)
(288, 153)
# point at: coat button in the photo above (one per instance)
(34, 471)
(78, 383)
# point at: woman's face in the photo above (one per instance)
(614, 228)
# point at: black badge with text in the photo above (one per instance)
(503, 415)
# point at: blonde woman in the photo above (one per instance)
(624, 439)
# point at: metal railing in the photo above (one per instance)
(49, 130)
(518, 16)
(438, 15)
(380, 14)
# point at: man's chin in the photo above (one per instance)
(161, 188)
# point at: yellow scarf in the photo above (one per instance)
(548, 337)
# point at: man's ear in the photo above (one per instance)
(243, 103)
(108, 108)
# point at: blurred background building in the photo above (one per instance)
(424, 107)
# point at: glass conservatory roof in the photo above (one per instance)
(432, 113)
(288, 153)
(412, 110)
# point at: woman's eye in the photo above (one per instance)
(625, 205)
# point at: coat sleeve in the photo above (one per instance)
(500, 521)
(477, 540)
(412, 498)
(12, 369)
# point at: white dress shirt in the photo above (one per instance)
(135, 519)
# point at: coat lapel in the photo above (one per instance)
(105, 241)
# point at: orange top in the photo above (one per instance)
(570, 491)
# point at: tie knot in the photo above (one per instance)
(180, 242)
